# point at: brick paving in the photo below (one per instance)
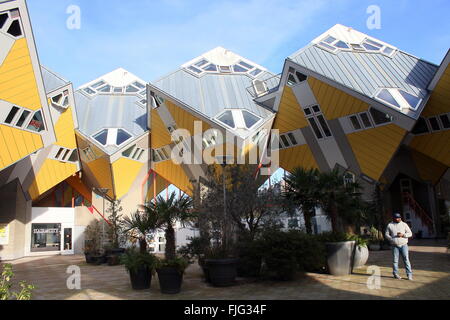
(430, 260)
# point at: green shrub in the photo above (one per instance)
(133, 259)
(5, 286)
(195, 249)
(178, 263)
(250, 258)
(285, 253)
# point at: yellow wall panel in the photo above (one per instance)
(17, 78)
(439, 101)
(65, 131)
(125, 172)
(184, 119)
(300, 156)
(375, 147)
(334, 102)
(175, 175)
(429, 169)
(50, 174)
(101, 169)
(16, 144)
(159, 135)
(435, 145)
(290, 115)
(161, 184)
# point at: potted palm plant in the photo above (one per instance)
(170, 211)
(140, 265)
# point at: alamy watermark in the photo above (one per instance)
(73, 282)
(73, 22)
(374, 19)
(261, 148)
(374, 280)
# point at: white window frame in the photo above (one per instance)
(440, 120)
(27, 120)
(64, 94)
(111, 136)
(266, 89)
(407, 103)
(371, 120)
(361, 122)
(243, 119)
(89, 154)
(352, 174)
(290, 143)
(8, 23)
(350, 46)
(294, 74)
(162, 153)
(390, 90)
(219, 70)
(315, 115)
(223, 123)
(441, 127)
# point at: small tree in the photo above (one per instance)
(248, 207)
(339, 198)
(115, 226)
(301, 190)
(169, 212)
(140, 225)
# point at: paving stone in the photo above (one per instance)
(429, 259)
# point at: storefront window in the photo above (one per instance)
(45, 237)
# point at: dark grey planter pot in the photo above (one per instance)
(170, 280)
(222, 272)
(340, 257)
(141, 279)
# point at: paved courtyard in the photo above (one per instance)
(430, 260)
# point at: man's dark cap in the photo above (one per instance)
(397, 215)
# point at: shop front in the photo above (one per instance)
(50, 231)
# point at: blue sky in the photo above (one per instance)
(152, 38)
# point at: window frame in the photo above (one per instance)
(314, 117)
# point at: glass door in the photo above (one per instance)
(67, 241)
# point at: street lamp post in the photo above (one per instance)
(104, 192)
(223, 162)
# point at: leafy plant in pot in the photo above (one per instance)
(138, 227)
(219, 208)
(92, 243)
(140, 266)
(170, 211)
(361, 252)
(195, 250)
(374, 241)
(340, 249)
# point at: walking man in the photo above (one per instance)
(397, 233)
